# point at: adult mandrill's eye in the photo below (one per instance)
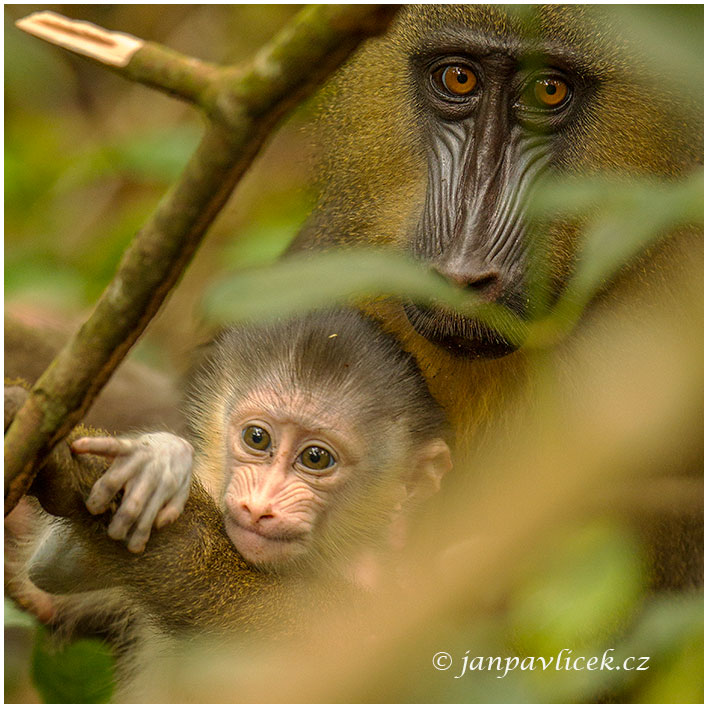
(547, 93)
(456, 80)
(256, 437)
(316, 458)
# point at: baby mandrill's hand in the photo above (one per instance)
(153, 469)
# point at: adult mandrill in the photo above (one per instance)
(433, 136)
(315, 436)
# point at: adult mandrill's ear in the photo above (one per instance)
(433, 461)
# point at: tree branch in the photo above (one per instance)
(244, 105)
(298, 58)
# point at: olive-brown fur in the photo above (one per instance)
(372, 136)
(189, 578)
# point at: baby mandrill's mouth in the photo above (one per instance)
(263, 548)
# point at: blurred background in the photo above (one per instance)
(551, 527)
(89, 154)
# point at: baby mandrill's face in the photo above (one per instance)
(283, 474)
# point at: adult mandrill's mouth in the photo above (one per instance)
(460, 335)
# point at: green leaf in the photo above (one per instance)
(624, 218)
(267, 235)
(669, 623)
(580, 595)
(670, 632)
(676, 201)
(81, 672)
(576, 604)
(642, 214)
(310, 281)
(670, 38)
(157, 155)
(679, 679)
(16, 618)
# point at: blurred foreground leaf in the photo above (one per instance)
(81, 672)
(671, 634)
(310, 281)
(675, 34)
(305, 282)
(580, 595)
(624, 219)
(576, 604)
(15, 618)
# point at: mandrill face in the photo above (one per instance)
(458, 113)
(496, 117)
(286, 469)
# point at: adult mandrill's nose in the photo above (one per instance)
(486, 282)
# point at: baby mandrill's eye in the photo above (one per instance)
(256, 437)
(316, 458)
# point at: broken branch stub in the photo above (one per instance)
(85, 38)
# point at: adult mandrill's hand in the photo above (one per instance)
(153, 470)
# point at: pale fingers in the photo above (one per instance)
(111, 482)
(153, 470)
(107, 446)
(173, 507)
(140, 533)
(138, 490)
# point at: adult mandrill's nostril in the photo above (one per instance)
(487, 284)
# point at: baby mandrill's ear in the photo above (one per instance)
(60, 566)
(433, 462)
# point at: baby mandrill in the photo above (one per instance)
(315, 436)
